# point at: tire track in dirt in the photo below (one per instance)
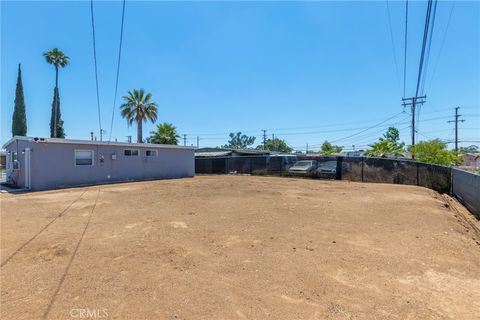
(42, 229)
(62, 279)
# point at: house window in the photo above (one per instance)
(84, 157)
(151, 153)
(131, 152)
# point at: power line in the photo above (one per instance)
(374, 126)
(359, 136)
(118, 70)
(412, 101)
(96, 69)
(442, 44)
(427, 56)
(335, 124)
(405, 50)
(424, 44)
(393, 43)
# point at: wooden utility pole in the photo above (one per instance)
(264, 138)
(456, 126)
(413, 102)
(185, 140)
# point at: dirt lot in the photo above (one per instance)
(238, 247)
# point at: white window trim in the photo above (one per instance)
(138, 153)
(83, 165)
(151, 150)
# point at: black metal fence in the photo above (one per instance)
(464, 185)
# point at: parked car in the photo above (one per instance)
(280, 162)
(327, 167)
(303, 167)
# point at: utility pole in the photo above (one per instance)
(101, 134)
(198, 142)
(129, 139)
(306, 150)
(456, 126)
(185, 140)
(413, 101)
(264, 138)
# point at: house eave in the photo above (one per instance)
(95, 143)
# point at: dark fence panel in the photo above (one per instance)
(389, 171)
(240, 165)
(351, 168)
(466, 188)
(463, 185)
(203, 165)
(434, 177)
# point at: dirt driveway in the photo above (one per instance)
(238, 247)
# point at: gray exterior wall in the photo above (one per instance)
(53, 164)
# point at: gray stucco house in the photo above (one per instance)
(48, 163)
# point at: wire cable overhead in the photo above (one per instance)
(118, 71)
(96, 69)
(405, 49)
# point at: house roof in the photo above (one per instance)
(212, 154)
(221, 152)
(92, 143)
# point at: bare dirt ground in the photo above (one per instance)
(238, 247)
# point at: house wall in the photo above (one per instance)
(53, 164)
(16, 174)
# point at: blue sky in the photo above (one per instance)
(305, 71)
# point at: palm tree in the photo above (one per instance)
(385, 148)
(59, 60)
(138, 108)
(166, 133)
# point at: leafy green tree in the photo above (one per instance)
(470, 149)
(165, 133)
(275, 144)
(328, 148)
(392, 134)
(138, 108)
(58, 59)
(435, 152)
(387, 145)
(239, 141)
(19, 119)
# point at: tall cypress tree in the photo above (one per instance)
(60, 133)
(19, 119)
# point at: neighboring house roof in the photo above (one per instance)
(251, 152)
(208, 149)
(212, 154)
(93, 143)
(222, 152)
